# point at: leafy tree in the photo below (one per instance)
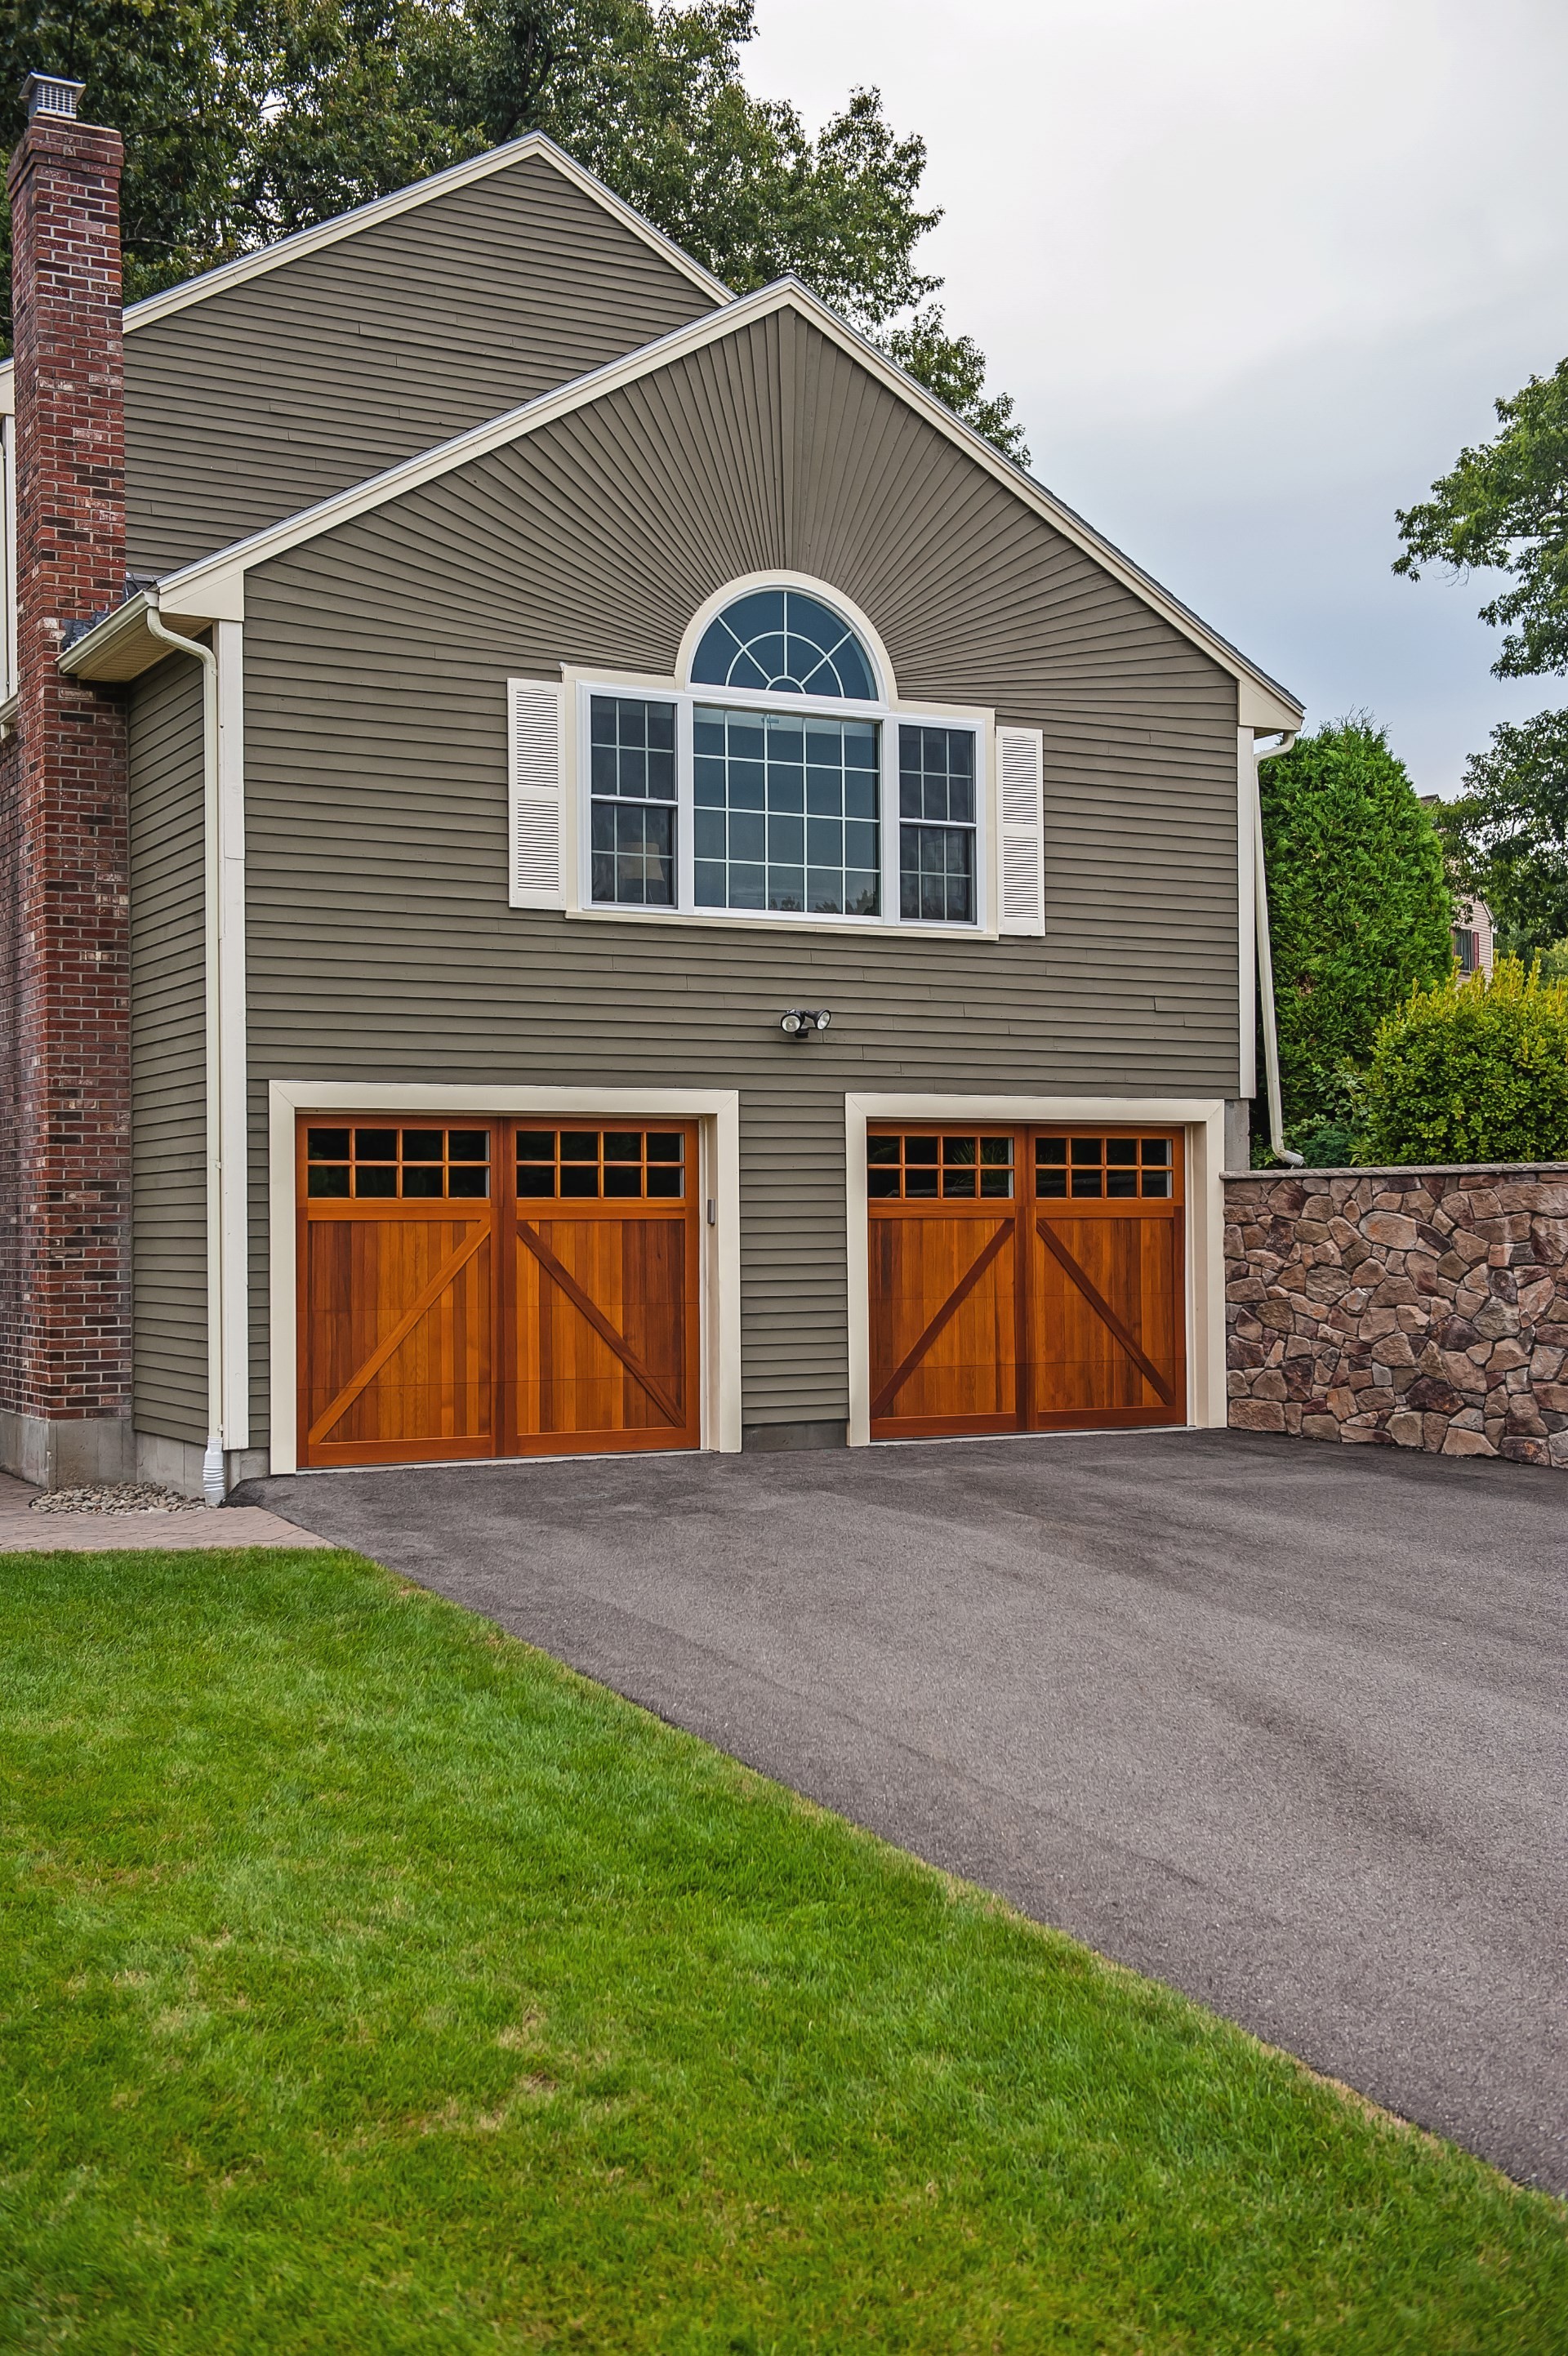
(1507, 835)
(1359, 912)
(187, 82)
(1504, 506)
(245, 120)
(1471, 1071)
(953, 367)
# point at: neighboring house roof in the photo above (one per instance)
(153, 307)
(213, 588)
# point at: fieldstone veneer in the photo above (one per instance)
(1408, 1308)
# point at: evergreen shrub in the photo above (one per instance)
(1472, 1070)
(1359, 914)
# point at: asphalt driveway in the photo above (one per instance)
(1286, 1725)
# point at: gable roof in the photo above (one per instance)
(266, 258)
(213, 589)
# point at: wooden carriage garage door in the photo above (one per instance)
(494, 1289)
(1025, 1280)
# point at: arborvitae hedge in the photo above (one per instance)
(1359, 911)
(1472, 1071)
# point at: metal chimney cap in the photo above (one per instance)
(51, 94)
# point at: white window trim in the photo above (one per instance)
(1202, 1123)
(582, 684)
(716, 1110)
(825, 593)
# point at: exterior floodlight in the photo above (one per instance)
(801, 1021)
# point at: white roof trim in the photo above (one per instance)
(153, 307)
(202, 588)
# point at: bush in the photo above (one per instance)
(1359, 911)
(1471, 1071)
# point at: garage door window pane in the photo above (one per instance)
(956, 1168)
(408, 1165)
(601, 1165)
(1115, 1168)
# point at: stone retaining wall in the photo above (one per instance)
(1407, 1308)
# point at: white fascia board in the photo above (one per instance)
(225, 599)
(153, 307)
(1266, 708)
(195, 588)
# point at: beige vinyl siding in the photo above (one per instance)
(381, 946)
(270, 395)
(168, 1095)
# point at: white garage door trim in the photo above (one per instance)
(1203, 1120)
(717, 1110)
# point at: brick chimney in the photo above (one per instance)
(65, 1353)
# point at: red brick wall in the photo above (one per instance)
(65, 1350)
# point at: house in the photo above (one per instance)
(586, 868)
(1475, 944)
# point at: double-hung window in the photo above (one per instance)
(778, 778)
(631, 777)
(937, 817)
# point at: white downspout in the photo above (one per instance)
(214, 1484)
(1265, 954)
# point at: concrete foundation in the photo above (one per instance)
(69, 1452)
(177, 1464)
(788, 1438)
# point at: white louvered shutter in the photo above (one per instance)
(1020, 761)
(533, 741)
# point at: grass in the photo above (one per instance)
(371, 1983)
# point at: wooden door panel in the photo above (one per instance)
(1106, 1316)
(398, 1339)
(944, 1321)
(604, 1330)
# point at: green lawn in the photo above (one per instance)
(369, 1983)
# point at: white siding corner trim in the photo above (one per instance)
(1020, 762)
(535, 766)
(1246, 917)
(1203, 1120)
(717, 1114)
(229, 855)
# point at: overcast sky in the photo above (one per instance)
(1254, 271)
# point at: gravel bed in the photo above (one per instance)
(117, 1497)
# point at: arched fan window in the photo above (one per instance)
(782, 642)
